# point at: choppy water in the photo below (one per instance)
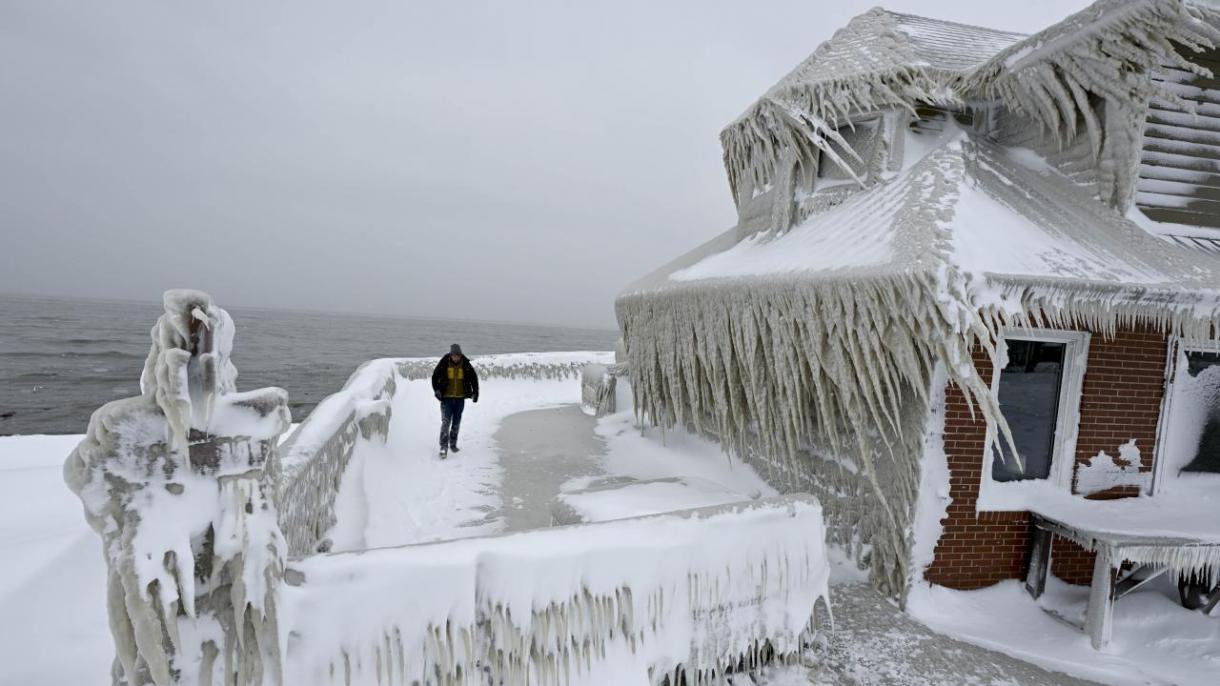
(62, 359)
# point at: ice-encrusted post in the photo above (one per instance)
(598, 386)
(179, 484)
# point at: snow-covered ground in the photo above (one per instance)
(1156, 640)
(52, 576)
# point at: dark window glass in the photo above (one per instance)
(1029, 399)
(1207, 457)
(861, 138)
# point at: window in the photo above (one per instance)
(1030, 386)
(1038, 388)
(862, 138)
(1200, 387)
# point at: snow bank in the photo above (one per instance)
(693, 593)
(1156, 640)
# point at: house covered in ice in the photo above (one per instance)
(975, 278)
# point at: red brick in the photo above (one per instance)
(1120, 400)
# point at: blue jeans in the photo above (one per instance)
(451, 420)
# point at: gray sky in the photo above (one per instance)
(480, 160)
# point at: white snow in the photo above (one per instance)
(1156, 641)
(649, 497)
(1184, 510)
(932, 502)
(52, 573)
(1192, 399)
(1103, 472)
(648, 452)
(414, 497)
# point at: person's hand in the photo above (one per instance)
(475, 399)
(438, 395)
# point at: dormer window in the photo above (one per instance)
(864, 138)
(932, 120)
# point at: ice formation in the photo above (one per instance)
(870, 65)
(810, 349)
(1104, 52)
(178, 483)
(598, 384)
(681, 597)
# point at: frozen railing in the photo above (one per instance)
(316, 455)
(535, 366)
(682, 598)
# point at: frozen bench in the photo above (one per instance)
(1146, 545)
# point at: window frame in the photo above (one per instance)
(1067, 420)
(1178, 346)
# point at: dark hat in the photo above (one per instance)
(455, 349)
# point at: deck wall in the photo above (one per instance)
(1120, 400)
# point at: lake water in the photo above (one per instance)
(62, 359)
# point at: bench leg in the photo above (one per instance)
(1099, 619)
(1212, 601)
(1039, 563)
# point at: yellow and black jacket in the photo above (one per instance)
(447, 375)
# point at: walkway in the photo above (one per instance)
(874, 643)
(539, 451)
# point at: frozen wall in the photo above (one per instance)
(686, 595)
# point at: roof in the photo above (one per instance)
(883, 41)
(989, 214)
(883, 60)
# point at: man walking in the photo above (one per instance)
(453, 381)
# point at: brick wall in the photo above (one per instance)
(1120, 400)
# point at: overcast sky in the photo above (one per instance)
(480, 160)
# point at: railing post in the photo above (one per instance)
(178, 482)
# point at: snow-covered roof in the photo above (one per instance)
(880, 41)
(994, 216)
